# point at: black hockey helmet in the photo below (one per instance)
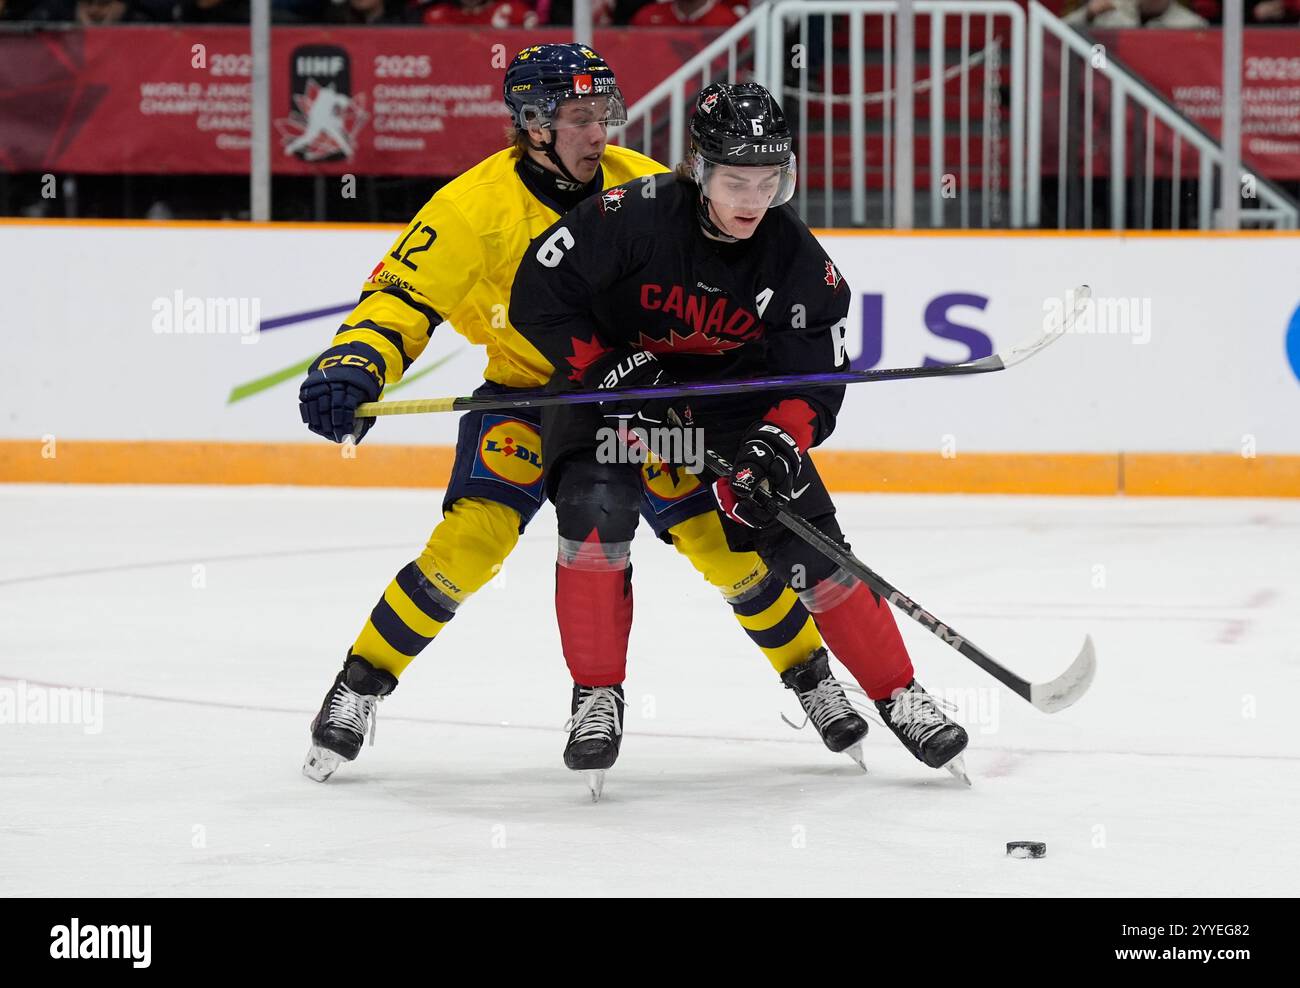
(542, 77)
(740, 126)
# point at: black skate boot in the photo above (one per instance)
(918, 721)
(347, 715)
(822, 697)
(595, 733)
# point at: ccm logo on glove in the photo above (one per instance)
(351, 360)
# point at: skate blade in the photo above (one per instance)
(596, 783)
(957, 766)
(854, 751)
(320, 764)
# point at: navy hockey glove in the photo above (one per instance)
(769, 459)
(625, 368)
(341, 378)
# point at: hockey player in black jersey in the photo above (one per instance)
(703, 274)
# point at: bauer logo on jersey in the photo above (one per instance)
(509, 451)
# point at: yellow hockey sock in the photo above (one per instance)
(463, 553)
(770, 613)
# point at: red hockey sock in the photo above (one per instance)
(860, 630)
(594, 608)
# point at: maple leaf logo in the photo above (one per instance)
(585, 353)
(832, 276)
(324, 123)
(694, 342)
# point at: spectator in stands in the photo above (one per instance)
(363, 12)
(1134, 13)
(688, 13)
(214, 11)
(493, 13)
(1259, 13)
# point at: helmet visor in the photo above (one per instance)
(746, 186)
(575, 112)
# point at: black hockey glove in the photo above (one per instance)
(341, 378)
(770, 459)
(624, 368)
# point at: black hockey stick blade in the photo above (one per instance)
(1048, 697)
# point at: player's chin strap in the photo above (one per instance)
(706, 221)
(548, 149)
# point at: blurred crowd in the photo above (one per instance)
(1170, 13)
(491, 13)
(531, 13)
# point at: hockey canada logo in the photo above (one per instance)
(832, 276)
(612, 201)
(708, 103)
(324, 117)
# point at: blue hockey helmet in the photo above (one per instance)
(541, 77)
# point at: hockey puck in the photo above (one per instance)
(1026, 849)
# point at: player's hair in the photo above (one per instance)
(684, 172)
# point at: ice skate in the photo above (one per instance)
(595, 733)
(918, 721)
(824, 703)
(346, 716)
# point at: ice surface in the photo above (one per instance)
(213, 621)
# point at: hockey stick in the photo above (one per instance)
(1048, 697)
(535, 399)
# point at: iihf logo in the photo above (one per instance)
(324, 117)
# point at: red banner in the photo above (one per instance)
(1186, 67)
(371, 101)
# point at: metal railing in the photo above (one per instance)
(775, 44)
(789, 46)
(1133, 197)
(736, 55)
(948, 190)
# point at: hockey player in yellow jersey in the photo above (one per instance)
(456, 262)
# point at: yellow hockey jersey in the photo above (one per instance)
(456, 261)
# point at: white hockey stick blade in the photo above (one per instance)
(1066, 688)
(1021, 352)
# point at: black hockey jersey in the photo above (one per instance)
(631, 268)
